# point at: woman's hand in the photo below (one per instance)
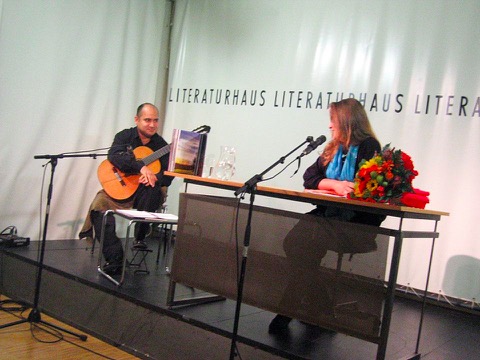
(343, 187)
(340, 187)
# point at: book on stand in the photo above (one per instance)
(187, 152)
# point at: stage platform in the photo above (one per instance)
(136, 318)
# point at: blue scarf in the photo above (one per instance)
(339, 170)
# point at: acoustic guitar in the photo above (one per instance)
(119, 185)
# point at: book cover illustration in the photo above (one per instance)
(187, 153)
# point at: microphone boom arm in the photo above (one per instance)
(61, 156)
(254, 180)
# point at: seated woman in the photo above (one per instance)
(334, 170)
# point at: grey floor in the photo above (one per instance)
(446, 334)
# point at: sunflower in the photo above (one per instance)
(372, 185)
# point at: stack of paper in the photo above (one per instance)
(137, 214)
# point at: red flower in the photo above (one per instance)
(407, 161)
(414, 200)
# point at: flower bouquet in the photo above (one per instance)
(387, 178)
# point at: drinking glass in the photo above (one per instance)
(225, 167)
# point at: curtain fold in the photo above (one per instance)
(262, 73)
(72, 74)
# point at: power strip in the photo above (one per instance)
(13, 241)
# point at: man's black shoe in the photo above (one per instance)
(112, 269)
(140, 245)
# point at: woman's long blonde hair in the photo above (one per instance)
(353, 124)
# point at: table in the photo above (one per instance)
(367, 319)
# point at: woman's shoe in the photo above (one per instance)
(279, 324)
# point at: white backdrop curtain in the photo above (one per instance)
(414, 64)
(72, 73)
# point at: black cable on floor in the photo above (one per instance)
(12, 306)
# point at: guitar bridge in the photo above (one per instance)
(117, 175)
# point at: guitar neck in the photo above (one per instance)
(156, 155)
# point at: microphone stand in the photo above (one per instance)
(35, 314)
(250, 186)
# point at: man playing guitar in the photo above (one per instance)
(129, 180)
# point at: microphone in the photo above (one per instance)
(313, 145)
(204, 129)
(59, 156)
